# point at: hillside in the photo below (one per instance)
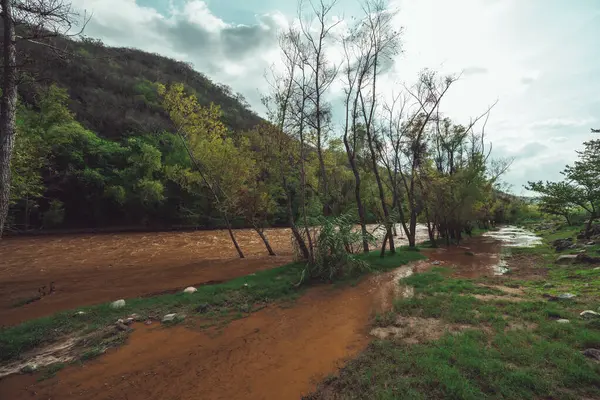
(111, 89)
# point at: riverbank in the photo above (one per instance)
(515, 335)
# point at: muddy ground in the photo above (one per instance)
(280, 352)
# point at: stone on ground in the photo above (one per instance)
(563, 321)
(566, 296)
(589, 314)
(190, 289)
(566, 259)
(118, 304)
(169, 317)
(592, 353)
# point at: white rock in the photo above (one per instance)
(245, 285)
(566, 296)
(435, 263)
(588, 314)
(78, 313)
(563, 321)
(29, 368)
(169, 317)
(190, 289)
(118, 304)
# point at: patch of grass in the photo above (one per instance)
(514, 365)
(239, 295)
(434, 281)
(50, 371)
(391, 261)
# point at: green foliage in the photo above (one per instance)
(579, 191)
(333, 251)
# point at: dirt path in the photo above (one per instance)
(276, 353)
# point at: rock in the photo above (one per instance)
(592, 353)
(584, 258)
(129, 321)
(118, 304)
(566, 259)
(563, 321)
(589, 314)
(136, 317)
(245, 285)
(79, 313)
(148, 322)
(548, 285)
(591, 243)
(246, 308)
(596, 269)
(566, 296)
(190, 289)
(122, 327)
(436, 263)
(29, 368)
(562, 244)
(169, 317)
(202, 308)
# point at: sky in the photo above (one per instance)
(540, 59)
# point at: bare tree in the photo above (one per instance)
(354, 73)
(281, 107)
(316, 31)
(382, 43)
(33, 21)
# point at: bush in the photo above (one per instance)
(333, 250)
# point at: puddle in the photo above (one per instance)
(512, 236)
(386, 287)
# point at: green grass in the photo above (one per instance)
(219, 302)
(514, 350)
(391, 261)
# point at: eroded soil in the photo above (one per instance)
(276, 353)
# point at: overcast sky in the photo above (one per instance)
(539, 58)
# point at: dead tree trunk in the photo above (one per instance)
(8, 105)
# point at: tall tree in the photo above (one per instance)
(33, 21)
(381, 42)
(316, 32)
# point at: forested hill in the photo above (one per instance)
(112, 90)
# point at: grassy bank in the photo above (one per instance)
(231, 299)
(477, 341)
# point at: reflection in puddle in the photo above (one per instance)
(511, 236)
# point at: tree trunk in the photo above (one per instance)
(265, 240)
(293, 227)
(386, 212)
(412, 238)
(232, 236)
(385, 239)
(8, 109)
(568, 219)
(359, 205)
